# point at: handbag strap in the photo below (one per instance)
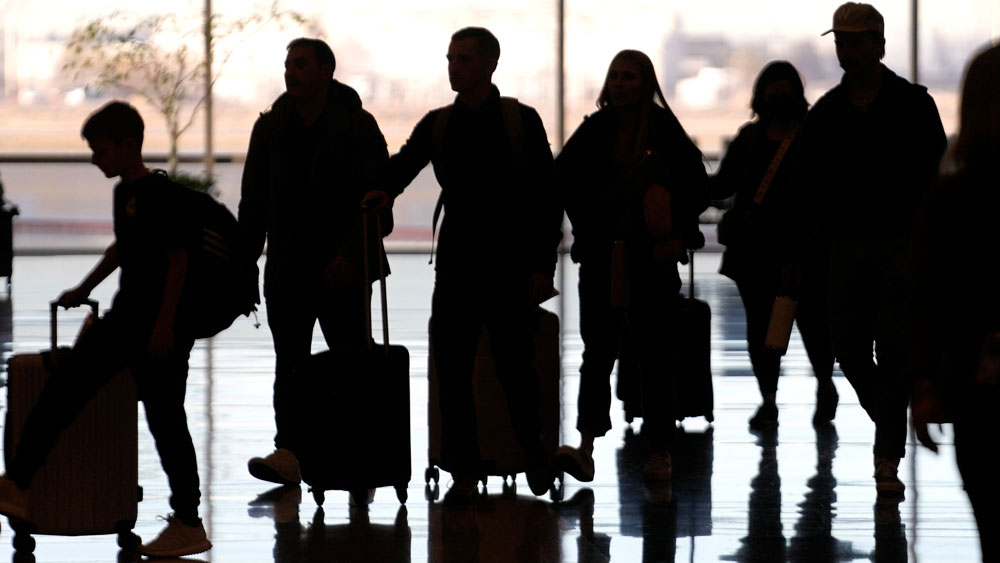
(772, 169)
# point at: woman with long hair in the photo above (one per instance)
(954, 312)
(757, 168)
(634, 185)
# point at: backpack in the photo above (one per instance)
(223, 281)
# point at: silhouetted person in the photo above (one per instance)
(955, 312)
(633, 184)
(869, 152)
(7, 213)
(147, 331)
(497, 251)
(311, 158)
(757, 168)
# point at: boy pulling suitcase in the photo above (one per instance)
(148, 330)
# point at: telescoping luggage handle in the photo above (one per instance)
(53, 314)
(368, 285)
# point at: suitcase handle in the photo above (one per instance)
(368, 286)
(53, 313)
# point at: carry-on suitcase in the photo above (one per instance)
(501, 455)
(89, 483)
(358, 409)
(693, 381)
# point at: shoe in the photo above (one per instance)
(578, 463)
(13, 501)
(658, 467)
(279, 467)
(462, 492)
(177, 540)
(540, 476)
(766, 417)
(887, 482)
(827, 400)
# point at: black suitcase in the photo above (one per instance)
(694, 395)
(359, 411)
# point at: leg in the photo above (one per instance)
(600, 330)
(975, 433)
(813, 320)
(162, 387)
(291, 320)
(891, 424)
(853, 317)
(652, 322)
(758, 301)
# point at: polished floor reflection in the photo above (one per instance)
(798, 495)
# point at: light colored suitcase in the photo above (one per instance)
(89, 483)
(501, 455)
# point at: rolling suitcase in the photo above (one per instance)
(89, 483)
(501, 455)
(368, 408)
(693, 382)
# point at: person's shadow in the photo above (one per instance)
(765, 539)
(813, 540)
(357, 541)
(681, 508)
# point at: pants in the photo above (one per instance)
(291, 316)
(813, 321)
(866, 312)
(650, 324)
(462, 305)
(104, 349)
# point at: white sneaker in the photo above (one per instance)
(278, 467)
(13, 501)
(887, 483)
(177, 540)
(577, 462)
(658, 467)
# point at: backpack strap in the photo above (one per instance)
(510, 112)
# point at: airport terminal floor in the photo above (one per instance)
(798, 495)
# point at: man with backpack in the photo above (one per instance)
(497, 253)
(160, 245)
(312, 157)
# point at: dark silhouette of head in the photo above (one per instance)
(779, 93)
(322, 51)
(115, 121)
(486, 43)
(979, 116)
(650, 92)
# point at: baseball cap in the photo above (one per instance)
(855, 17)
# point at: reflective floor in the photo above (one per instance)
(800, 495)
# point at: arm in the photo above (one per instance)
(252, 212)
(546, 211)
(403, 166)
(107, 265)
(161, 341)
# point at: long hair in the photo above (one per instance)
(651, 94)
(776, 71)
(979, 117)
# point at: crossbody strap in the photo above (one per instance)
(772, 169)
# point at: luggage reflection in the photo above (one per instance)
(495, 528)
(357, 540)
(681, 508)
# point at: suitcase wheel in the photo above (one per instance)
(432, 474)
(23, 542)
(431, 494)
(319, 495)
(128, 540)
(556, 492)
(401, 493)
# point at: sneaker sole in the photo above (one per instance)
(193, 550)
(265, 472)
